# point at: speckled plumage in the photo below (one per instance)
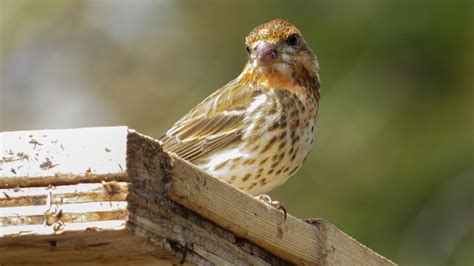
(256, 131)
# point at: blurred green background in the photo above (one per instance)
(394, 159)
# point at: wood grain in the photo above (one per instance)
(91, 247)
(293, 240)
(112, 195)
(39, 157)
(156, 215)
(63, 200)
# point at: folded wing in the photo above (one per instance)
(213, 125)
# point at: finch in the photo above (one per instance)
(256, 131)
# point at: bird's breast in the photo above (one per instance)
(278, 136)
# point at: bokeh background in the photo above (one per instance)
(394, 159)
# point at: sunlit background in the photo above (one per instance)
(394, 159)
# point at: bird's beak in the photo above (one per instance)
(265, 53)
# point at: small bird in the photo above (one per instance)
(256, 131)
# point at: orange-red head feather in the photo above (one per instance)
(279, 57)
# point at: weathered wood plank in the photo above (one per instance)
(292, 239)
(36, 158)
(63, 200)
(29, 196)
(244, 215)
(155, 214)
(64, 189)
(91, 247)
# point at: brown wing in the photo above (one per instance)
(214, 124)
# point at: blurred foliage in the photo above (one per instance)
(393, 163)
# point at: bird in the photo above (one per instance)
(256, 131)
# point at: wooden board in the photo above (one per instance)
(155, 214)
(296, 241)
(36, 158)
(63, 200)
(91, 247)
(91, 191)
(88, 210)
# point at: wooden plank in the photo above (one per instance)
(292, 239)
(73, 207)
(81, 223)
(36, 158)
(341, 249)
(30, 196)
(240, 213)
(154, 214)
(91, 247)
(59, 205)
(76, 187)
(63, 200)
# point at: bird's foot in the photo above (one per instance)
(275, 204)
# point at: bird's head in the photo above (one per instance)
(278, 48)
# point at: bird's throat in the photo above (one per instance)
(293, 78)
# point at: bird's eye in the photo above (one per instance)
(292, 40)
(248, 49)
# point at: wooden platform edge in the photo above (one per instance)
(63, 200)
(62, 191)
(153, 213)
(292, 239)
(69, 193)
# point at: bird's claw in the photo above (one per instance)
(274, 203)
